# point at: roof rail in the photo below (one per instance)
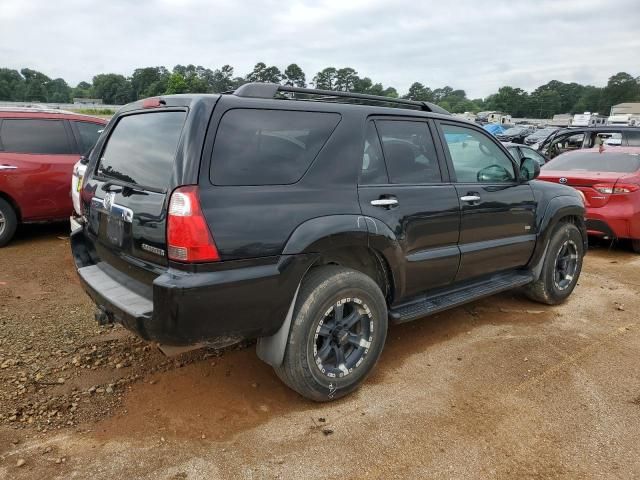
(269, 90)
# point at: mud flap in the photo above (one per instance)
(271, 349)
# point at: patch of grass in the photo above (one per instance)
(95, 111)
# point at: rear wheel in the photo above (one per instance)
(338, 331)
(8, 222)
(561, 268)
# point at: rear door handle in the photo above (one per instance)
(384, 202)
(470, 198)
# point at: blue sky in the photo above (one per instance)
(474, 45)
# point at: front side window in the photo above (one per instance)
(373, 168)
(409, 152)
(89, 133)
(476, 158)
(141, 149)
(268, 147)
(34, 136)
(566, 143)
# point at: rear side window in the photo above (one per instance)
(409, 152)
(89, 133)
(268, 147)
(373, 168)
(142, 148)
(34, 136)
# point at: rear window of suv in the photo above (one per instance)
(268, 147)
(142, 148)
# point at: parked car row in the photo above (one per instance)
(38, 149)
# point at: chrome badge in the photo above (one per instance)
(156, 250)
(563, 180)
(107, 201)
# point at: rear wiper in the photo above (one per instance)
(129, 188)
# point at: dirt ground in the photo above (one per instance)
(501, 388)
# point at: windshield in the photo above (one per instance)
(619, 162)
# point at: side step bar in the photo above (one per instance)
(437, 302)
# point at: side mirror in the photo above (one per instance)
(529, 169)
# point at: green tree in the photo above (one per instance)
(262, 73)
(345, 79)
(294, 76)
(419, 92)
(82, 90)
(514, 101)
(149, 81)
(112, 88)
(222, 79)
(621, 87)
(58, 91)
(35, 85)
(12, 85)
(326, 79)
(176, 83)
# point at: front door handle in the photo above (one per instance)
(384, 202)
(470, 198)
(8, 167)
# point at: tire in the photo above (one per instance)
(312, 363)
(557, 279)
(635, 245)
(8, 222)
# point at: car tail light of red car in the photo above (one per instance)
(616, 188)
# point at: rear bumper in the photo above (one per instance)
(240, 299)
(613, 222)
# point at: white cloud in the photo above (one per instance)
(476, 46)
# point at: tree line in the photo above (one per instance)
(543, 102)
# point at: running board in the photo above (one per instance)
(430, 304)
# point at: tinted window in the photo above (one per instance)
(89, 133)
(34, 136)
(476, 158)
(141, 149)
(532, 154)
(268, 147)
(633, 137)
(618, 162)
(409, 152)
(373, 168)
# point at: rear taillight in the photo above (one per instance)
(614, 188)
(188, 236)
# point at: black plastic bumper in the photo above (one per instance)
(237, 299)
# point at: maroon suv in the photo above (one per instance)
(38, 149)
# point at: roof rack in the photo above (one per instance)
(270, 90)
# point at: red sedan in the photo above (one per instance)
(38, 149)
(609, 178)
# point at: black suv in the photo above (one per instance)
(309, 219)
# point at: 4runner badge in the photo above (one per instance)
(156, 250)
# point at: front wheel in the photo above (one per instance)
(338, 331)
(561, 268)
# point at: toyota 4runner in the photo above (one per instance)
(309, 220)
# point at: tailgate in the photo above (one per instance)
(125, 194)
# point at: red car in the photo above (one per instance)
(38, 149)
(609, 178)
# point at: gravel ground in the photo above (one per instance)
(501, 388)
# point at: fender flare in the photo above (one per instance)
(324, 234)
(557, 208)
